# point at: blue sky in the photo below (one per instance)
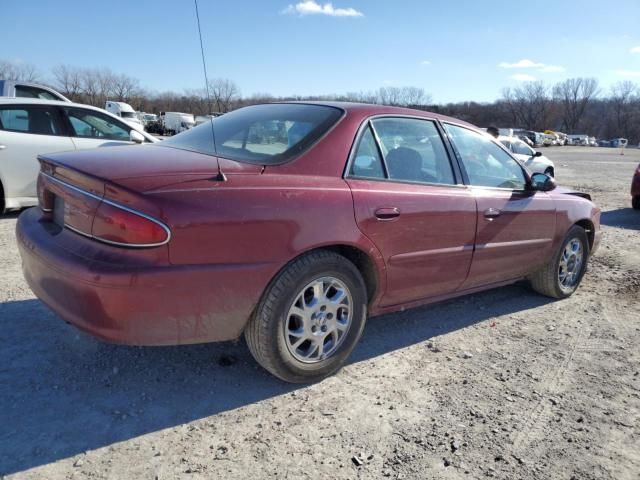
(454, 50)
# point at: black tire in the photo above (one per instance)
(635, 202)
(265, 332)
(549, 171)
(547, 282)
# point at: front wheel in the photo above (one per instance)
(562, 275)
(549, 171)
(309, 319)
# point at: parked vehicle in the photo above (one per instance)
(534, 161)
(581, 139)
(618, 142)
(200, 119)
(525, 139)
(592, 142)
(548, 140)
(635, 189)
(126, 112)
(11, 88)
(317, 216)
(176, 122)
(30, 127)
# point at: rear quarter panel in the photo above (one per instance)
(259, 223)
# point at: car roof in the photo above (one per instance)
(368, 109)
(42, 101)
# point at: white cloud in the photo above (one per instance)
(310, 7)
(523, 77)
(635, 49)
(526, 63)
(425, 62)
(628, 73)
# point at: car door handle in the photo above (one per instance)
(387, 213)
(491, 213)
(2, 147)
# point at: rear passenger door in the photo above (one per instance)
(27, 131)
(410, 201)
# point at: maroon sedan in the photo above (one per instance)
(292, 223)
(635, 189)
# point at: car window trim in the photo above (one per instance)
(495, 141)
(368, 123)
(51, 108)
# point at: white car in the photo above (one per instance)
(33, 126)
(534, 161)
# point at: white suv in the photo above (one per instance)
(31, 126)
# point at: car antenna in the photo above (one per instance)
(221, 177)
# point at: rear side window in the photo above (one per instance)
(92, 124)
(413, 150)
(35, 92)
(261, 134)
(26, 119)
(367, 161)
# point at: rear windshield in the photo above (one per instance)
(262, 134)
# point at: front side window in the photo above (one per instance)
(413, 150)
(91, 124)
(37, 120)
(521, 148)
(486, 164)
(262, 134)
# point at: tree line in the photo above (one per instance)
(575, 105)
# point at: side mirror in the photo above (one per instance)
(135, 136)
(537, 154)
(542, 182)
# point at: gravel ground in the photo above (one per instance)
(505, 384)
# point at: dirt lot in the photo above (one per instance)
(504, 384)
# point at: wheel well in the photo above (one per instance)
(362, 262)
(588, 228)
(551, 170)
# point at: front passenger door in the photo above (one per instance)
(515, 226)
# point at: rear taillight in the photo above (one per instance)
(118, 225)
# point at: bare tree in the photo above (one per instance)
(574, 95)
(18, 71)
(224, 94)
(124, 87)
(68, 80)
(625, 105)
(528, 105)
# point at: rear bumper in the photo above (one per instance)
(139, 304)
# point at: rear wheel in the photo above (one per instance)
(635, 202)
(562, 275)
(309, 319)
